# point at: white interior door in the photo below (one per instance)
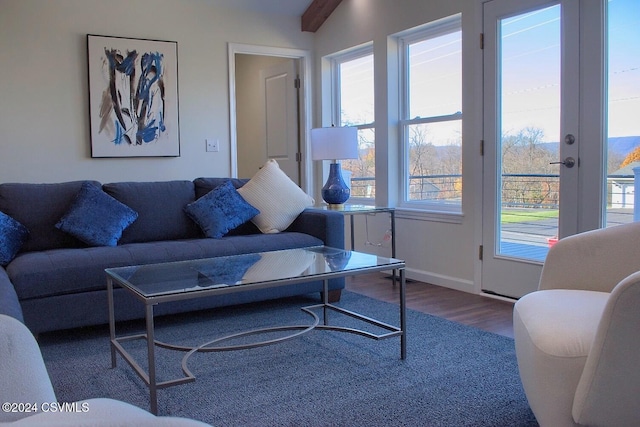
(281, 127)
(531, 107)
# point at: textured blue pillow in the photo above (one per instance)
(96, 218)
(220, 210)
(12, 236)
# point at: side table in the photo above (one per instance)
(353, 210)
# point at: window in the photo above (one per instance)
(353, 105)
(431, 115)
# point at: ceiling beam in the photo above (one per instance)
(317, 12)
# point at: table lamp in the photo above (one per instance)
(334, 143)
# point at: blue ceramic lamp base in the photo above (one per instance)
(335, 191)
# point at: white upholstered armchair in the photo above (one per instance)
(24, 380)
(578, 337)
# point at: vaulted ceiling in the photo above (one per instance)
(312, 13)
(318, 12)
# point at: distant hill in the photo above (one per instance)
(619, 144)
(623, 144)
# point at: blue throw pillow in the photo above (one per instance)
(96, 218)
(220, 210)
(12, 236)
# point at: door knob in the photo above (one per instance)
(568, 162)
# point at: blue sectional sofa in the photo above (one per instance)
(57, 282)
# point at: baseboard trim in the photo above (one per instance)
(498, 297)
(441, 280)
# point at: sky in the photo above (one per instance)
(624, 67)
(531, 70)
(530, 73)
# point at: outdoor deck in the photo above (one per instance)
(524, 250)
(528, 239)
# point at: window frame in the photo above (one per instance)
(336, 102)
(438, 28)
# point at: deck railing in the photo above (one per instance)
(533, 191)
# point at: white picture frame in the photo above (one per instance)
(133, 97)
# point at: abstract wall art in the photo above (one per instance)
(133, 97)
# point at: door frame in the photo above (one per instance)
(587, 61)
(304, 58)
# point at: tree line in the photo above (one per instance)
(528, 176)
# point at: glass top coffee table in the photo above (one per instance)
(153, 284)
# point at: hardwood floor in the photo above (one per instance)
(474, 310)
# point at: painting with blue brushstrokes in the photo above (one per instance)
(133, 97)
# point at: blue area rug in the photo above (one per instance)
(454, 375)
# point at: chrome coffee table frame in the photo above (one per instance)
(118, 277)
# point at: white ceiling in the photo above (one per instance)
(280, 7)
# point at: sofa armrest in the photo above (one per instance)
(607, 393)
(595, 260)
(327, 226)
(105, 412)
(23, 374)
(9, 303)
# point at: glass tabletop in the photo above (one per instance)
(240, 270)
(347, 208)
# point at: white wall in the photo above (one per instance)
(44, 122)
(436, 251)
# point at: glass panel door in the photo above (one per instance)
(530, 105)
(561, 85)
(528, 133)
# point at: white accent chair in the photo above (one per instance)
(24, 379)
(578, 337)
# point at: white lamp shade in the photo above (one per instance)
(334, 143)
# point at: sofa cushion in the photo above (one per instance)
(66, 271)
(205, 185)
(96, 218)
(276, 196)
(554, 331)
(160, 209)
(12, 237)
(39, 207)
(220, 210)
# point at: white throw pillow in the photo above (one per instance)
(278, 199)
